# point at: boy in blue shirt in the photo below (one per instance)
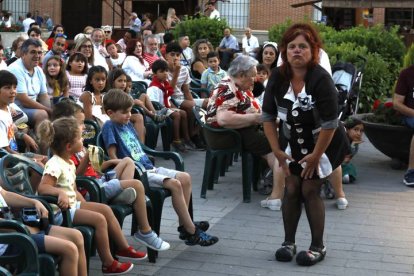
(121, 140)
(214, 74)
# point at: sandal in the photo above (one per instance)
(286, 252)
(117, 268)
(311, 257)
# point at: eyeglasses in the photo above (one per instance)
(107, 32)
(87, 46)
(61, 35)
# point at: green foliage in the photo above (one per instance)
(383, 49)
(409, 57)
(385, 113)
(202, 28)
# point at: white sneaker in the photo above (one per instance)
(341, 203)
(272, 204)
(346, 179)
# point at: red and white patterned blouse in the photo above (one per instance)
(229, 97)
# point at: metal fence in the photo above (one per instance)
(16, 7)
(236, 12)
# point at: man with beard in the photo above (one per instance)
(32, 95)
(151, 53)
(58, 48)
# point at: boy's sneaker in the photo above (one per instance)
(179, 146)
(131, 254)
(127, 196)
(203, 225)
(409, 177)
(152, 241)
(341, 203)
(117, 268)
(201, 238)
(311, 257)
(286, 252)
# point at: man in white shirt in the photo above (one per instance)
(250, 43)
(27, 22)
(100, 53)
(211, 5)
(135, 23)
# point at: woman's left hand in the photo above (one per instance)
(311, 166)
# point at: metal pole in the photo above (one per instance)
(113, 14)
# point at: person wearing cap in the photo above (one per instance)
(135, 22)
(108, 33)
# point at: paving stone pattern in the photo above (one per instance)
(374, 236)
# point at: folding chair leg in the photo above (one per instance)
(245, 176)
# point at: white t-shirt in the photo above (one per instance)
(119, 60)
(155, 94)
(183, 78)
(215, 14)
(250, 44)
(6, 128)
(99, 59)
(3, 203)
(135, 69)
(26, 24)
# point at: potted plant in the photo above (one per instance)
(386, 131)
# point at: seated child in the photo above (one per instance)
(214, 74)
(64, 136)
(262, 76)
(67, 243)
(122, 188)
(354, 130)
(160, 91)
(121, 141)
(8, 130)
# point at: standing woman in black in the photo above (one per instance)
(302, 94)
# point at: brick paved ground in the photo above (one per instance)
(374, 236)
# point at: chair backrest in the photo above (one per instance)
(138, 87)
(16, 171)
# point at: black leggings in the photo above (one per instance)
(299, 190)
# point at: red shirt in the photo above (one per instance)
(150, 58)
(76, 158)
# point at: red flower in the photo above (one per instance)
(388, 104)
(376, 104)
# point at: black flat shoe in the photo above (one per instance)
(312, 256)
(286, 252)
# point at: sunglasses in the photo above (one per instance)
(107, 32)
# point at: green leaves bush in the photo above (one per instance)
(202, 28)
(383, 49)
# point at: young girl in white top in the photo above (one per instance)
(91, 98)
(64, 136)
(77, 70)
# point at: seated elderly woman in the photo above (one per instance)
(232, 105)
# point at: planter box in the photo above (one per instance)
(393, 141)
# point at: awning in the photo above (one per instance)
(368, 3)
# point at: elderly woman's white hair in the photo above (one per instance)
(241, 65)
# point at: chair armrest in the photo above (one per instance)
(157, 105)
(178, 160)
(225, 131)
(91, 185)
(15, 225)
(67, 221)
(29, 247)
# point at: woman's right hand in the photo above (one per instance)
(282, 157)
(63, 201)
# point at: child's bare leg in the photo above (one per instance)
(68, 252)
(138, 121)
(175, 116)
(184, 125)
(336, 180)
(179, 204)
(139, 203)
(98, 221)
(76, 238)
(125, 169)
(185, 180)
(147, 102)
